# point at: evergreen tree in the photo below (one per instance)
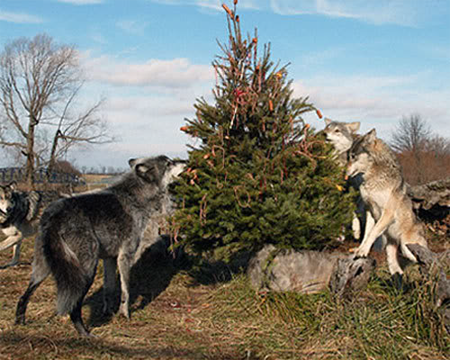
(258, 173)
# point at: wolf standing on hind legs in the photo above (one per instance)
(76, 232)
(384, 191)
(342, 135)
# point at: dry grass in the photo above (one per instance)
(182, 314)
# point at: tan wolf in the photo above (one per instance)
(384, 192)
(342, 135)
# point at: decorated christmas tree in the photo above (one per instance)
(258, 173)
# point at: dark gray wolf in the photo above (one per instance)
(75, 232)
(384, 192)
(18, 218)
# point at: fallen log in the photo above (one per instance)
(431, 201)
(308, 271)
(431, 194)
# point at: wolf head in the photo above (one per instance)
(340, 134)
(360, 158)
(6, 199)
(370, 154)
(160, 170)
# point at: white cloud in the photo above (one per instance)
(176, 73)
(19, 18)
(377, 12)
(81, 2)
(146, 125)
(401, 12)
(148, 108)
(208, 4)
(378, 102)
(133, 27)
(212, 4)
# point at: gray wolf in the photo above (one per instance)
(18, 218)
(384, 192)
(342, 135)
(75, 232)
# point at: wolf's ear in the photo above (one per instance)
(149, 173)
(132, 162)
(354, 126)
(12, 185)
(371, 136)
(328, 121)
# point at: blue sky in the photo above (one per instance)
(373, 61)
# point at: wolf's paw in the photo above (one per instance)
(125, 311)
(361, 253)
(20, 320)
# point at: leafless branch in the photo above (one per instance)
(39, 84)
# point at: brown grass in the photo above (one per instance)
(181, 314)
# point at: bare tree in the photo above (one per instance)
(39, 82)
(411, 134)
(423, 155)
(439, 145)
(84, 127)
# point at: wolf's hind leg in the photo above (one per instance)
(392, 259)
(75, 314)
(40, 272)
(392, 253)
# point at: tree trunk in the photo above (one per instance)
(52, 162)
(29, 167)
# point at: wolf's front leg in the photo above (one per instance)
(124, 262)
(386, 219)
(13, 240)
(109, 284)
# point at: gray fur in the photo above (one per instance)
(76, 232)
(342, 135)
(18, 215)
(384, 191)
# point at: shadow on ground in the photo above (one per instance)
(150, 276)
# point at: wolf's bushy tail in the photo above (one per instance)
(72, 278)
